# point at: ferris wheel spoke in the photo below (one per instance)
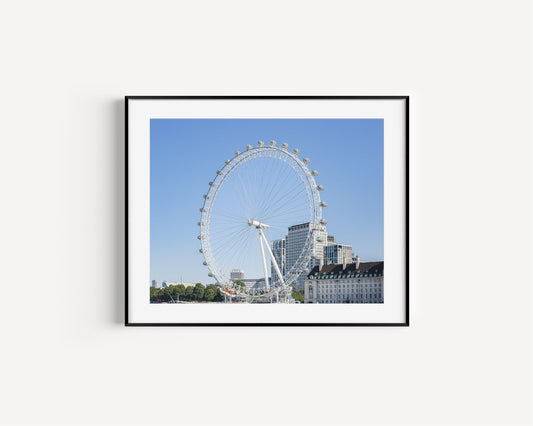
(291, 203)
(288, 197)
(293, 187)
(243, 195)
(237, 256)
(246, 191)
(232, 253)
(281, 175)
(279, 184)
(224, 226)
(284, 208)
(270, 170)
(280, 195)
(235, 235)
(222, 247)
(225, 233)
(233, 211)
(228, 215)
(221, 240)
(244, 252)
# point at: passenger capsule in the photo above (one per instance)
(210, 275)
(306, 160)
(323, 221)
(227, 161)
(219, 172)
(260, 143)
(248, 147)
(319, 240)
(323, 204)
(199, 237)
(320, 187)
(200, 223)
(314, 172)
(202, 210)
(205, 197)
(205, 263)
(296, 151)
(211, 183)
(201, 250)
(237, 153)
(273, 143)
(284, 145)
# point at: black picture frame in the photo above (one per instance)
(404, 323)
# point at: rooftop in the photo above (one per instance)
(337, 271)
(300, 225)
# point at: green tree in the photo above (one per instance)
(177, 291)
(210, 292)
(298, 295)
(240, 283)
(164, 294)
(219, 296)
(189, 293)
(198, 292)
(154, 294)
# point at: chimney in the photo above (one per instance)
(343, 263)
(357, 262)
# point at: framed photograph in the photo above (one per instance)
(267, 211)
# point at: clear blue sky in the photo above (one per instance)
(184, 155)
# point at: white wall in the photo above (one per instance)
(65, 357)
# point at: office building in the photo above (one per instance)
(279, 252)
(295, 242)
(236, 274)
(337, 253)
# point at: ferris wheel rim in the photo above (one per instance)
(230, 166)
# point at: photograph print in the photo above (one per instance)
(267, 214)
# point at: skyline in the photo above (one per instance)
(184, 155)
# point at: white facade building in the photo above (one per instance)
(182, 283)
(254, 284)
(237, 274)
(357, 282)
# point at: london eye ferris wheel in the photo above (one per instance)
(249, 205)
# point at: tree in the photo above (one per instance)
(198, 291)
(298, 295)
(154, 294)
(189, 293)
(219, 297)
(164, 294)
(210, 293)
(177, 291)
(240, 284)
